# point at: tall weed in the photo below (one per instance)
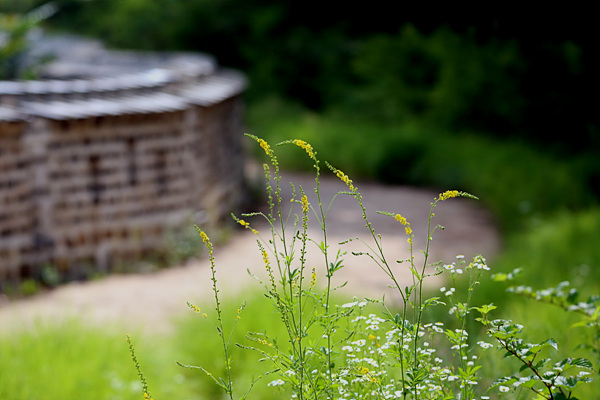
(367, 348)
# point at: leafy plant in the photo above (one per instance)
(368, 349)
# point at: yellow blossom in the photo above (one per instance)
(345, 179)
(364, 370)
(204, 237)
(204, 315)
(401, 219)
(448, 194)
(265, 146)
(307, 147)
(255, 231)
(304, 200)
(265, 257)
(313, 277)
(408, 230)
(243, 223)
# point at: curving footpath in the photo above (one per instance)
(149, 301)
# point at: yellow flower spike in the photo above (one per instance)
(307, 147)
(265, 146)
(400, 219)
(313, 277)
(265, 257)
(448, 194)
(408, 230)
(204, 237)
(344, 178)
(304, 201)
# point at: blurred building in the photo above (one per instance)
(108, 151)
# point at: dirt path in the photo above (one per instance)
(148, 301)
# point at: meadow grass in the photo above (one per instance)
(563, 246)
(72, 360)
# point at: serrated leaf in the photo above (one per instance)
(529, 383)
(507, 380)
(523, 368)
(551, 342)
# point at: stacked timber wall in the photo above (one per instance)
(97, 170)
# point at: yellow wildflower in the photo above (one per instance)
(265, 257)
(265, 146)
(195, 308)
(345, 179)
(243, 223)
(254, 231)
(364, 370)
(147, 396)
(204, 315)
(401, 219)
(204, 237)
(408, 230)
(313, 277)
(448, 194)
(307, 147)
(304, 200)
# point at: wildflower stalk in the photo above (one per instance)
(138, 368)
(228, 384)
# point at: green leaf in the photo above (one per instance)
(486, 308)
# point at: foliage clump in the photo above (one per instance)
(367, 348)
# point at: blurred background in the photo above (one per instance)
(504, 108)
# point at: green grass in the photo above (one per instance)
(197, 343)
(74, 361)
(561, 247)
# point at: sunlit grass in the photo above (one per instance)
(71, 360)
